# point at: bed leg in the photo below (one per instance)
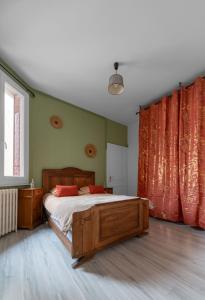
(81, 260)
(141, 234)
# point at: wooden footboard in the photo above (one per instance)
(105, 224)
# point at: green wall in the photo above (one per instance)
(116, 133)
(59, 148)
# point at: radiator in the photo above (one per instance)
(8, 210)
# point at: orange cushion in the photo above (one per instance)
(66, 190)
(96, 189)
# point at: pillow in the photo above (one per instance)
(84, 190)
(66, 190)
(96, 189)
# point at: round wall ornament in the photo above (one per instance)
(90, 150)
(56, 122)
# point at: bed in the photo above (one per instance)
(114, 219)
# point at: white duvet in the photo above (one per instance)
(62, 208)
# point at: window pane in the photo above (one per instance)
(13, 132)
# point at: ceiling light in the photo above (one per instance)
(116, 86)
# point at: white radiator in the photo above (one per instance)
(8, 210)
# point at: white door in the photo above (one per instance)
(117, 169)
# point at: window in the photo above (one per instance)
(14, 131)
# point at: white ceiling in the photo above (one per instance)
(67, 48)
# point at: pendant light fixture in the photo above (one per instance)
(116, 86)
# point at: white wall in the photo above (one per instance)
(133, 156)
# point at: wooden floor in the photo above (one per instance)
(169, 263)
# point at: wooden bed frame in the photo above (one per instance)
(101, 225)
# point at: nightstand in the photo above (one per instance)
(29, 207)
(109, 190)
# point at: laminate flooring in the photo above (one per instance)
(168, 263)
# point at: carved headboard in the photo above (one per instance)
(66, 176)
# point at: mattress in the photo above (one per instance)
(61, 209)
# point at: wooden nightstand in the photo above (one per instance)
(109, 190)
(29, 208)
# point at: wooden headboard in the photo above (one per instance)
(66, 176)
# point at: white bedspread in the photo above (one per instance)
(62, 208)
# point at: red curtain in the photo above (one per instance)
(143, 153)
(158, 176)
(192, 153)
(172, 155)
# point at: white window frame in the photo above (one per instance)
(13, 180)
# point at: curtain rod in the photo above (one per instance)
(17, 80)
(157, 101)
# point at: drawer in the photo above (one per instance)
(38, 192)
(26, 193)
